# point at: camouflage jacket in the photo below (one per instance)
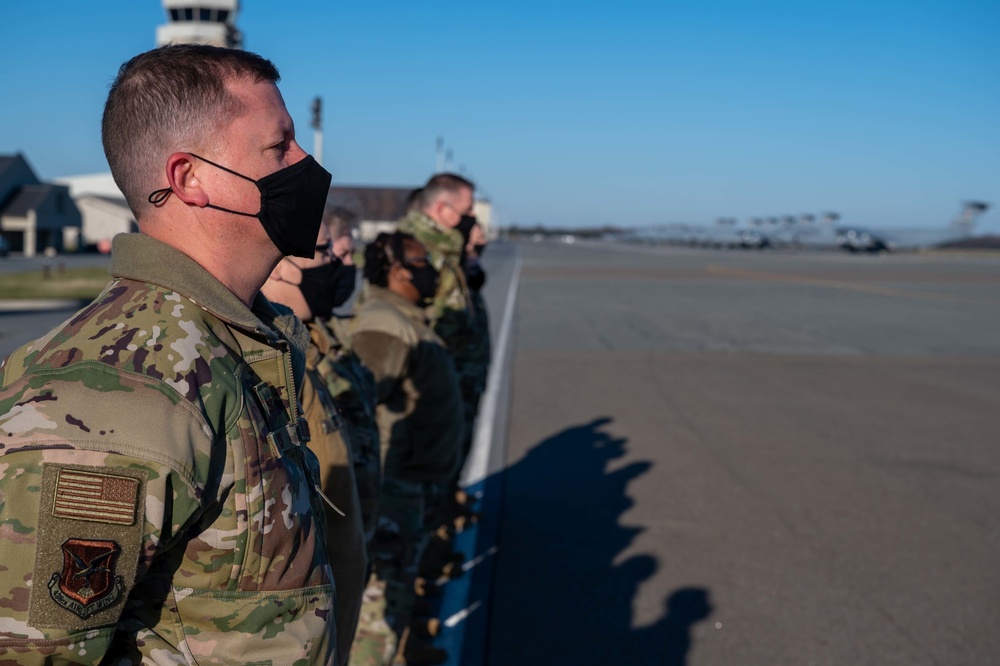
(420, 413)
(157, 499)
(352, 386)
(451, 314)
(345, 536)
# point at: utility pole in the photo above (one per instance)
(439, 155)
(317, 125)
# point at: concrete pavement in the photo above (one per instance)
(751, 458)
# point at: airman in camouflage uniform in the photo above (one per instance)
(443, 202)
(158, 502)
(155, 482)
(353, 387)
(336, 382)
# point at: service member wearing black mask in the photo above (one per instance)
(465, 226)
(291, 203)
(475, 244)
(420, 416)
(315, 286)
(348, 464)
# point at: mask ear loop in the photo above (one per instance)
(158, 197)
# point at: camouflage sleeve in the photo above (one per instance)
(353, 388)
(83, 512)
(345, 537)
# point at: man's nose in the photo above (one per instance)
(295, 153)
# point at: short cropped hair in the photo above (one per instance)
(413, 199)
(339, 221)
(168, 99)
(441, 183)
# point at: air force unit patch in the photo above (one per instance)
(87, 583)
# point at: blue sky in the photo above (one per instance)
(584, 113)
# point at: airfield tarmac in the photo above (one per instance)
(737, 458)
(750, 458)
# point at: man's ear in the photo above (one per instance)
(434, 210)
(184, 181)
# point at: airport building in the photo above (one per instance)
(200, 22)
(34, 215)
(103, 210)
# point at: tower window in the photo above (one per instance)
(189, 13)
(205, 15)
(223, 15)
(175, 15)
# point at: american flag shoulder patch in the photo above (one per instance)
(95, 497)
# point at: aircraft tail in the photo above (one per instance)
(965, 220)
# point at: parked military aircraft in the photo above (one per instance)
(896, 239)
(806, 232)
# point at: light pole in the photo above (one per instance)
(317, 125)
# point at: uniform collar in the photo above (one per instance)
(446, 241)
(145, 259)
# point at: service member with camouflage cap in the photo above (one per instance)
(157, 499)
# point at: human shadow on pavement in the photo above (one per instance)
(668, 641)
(559, 597)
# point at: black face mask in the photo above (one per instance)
(425, 279)
(327, 287)
(475, 276)
(465, 227)
(291, 204)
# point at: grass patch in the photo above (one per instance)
(82, 283)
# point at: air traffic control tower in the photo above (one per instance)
(200, 22)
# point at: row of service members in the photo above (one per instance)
(387, 410)
(159, 502)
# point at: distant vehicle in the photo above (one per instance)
(4, 247)
(889, 239)
(569, 239)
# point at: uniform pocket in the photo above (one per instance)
(274, 628)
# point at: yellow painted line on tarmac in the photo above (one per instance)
(831, 284)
